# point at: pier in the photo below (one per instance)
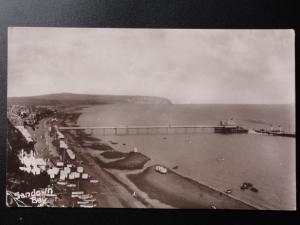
(157, 129)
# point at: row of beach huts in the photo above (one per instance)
(66, 173)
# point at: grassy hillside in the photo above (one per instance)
(69, 98)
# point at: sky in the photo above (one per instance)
(194, 66)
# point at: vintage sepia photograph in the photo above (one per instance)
(151, 118)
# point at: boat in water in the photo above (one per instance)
(276, 132)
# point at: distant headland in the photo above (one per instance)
(86, 99)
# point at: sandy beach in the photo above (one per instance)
(109, 192)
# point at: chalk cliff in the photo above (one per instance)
(69, 98)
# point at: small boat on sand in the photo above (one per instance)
(228, 191)
(253, 189)
(161, 169)
(246, 185)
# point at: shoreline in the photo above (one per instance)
(183, 192)
(149, 183)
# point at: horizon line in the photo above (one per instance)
(187, 103)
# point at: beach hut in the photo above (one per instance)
(76, 175)
(71, 176)
(62, 145)
(59, 135)
(55, 170)
(71, 154)
(94, 181)
(67, 170)
(84, 176)
(59, 164)
(51, 173)
(79, 169)
(63, 175)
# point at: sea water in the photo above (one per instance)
(217, 160)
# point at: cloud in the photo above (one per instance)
(187, 66)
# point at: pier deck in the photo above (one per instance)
(149, 129)
(144, 127)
